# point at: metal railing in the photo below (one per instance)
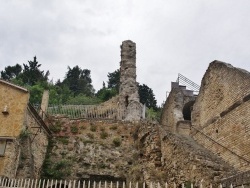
(182, 80)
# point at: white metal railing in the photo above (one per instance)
(83, 111)
(89, 112)
(39, 183)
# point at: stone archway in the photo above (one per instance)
(186, 111)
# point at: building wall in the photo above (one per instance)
(11, 124)
(24, 152)
(221, 116)
(16, 101)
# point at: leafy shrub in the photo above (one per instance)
(56, 170)
(74, 129)
(103, 135)
(117, 142)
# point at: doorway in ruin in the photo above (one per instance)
(187, 109)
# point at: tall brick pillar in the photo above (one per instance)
(130, 107)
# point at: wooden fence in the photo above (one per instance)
(35, 183)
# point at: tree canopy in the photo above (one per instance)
(75, 88)
(147, 96)
(79, 81)
(32, 74)
(11, 72)
(114, 80)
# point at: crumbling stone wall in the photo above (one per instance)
(186, 161)
(9, 162)
(33, 143)
(221, 116)
(172, 111)
(129, 106)
(91, 149)
(166, 156)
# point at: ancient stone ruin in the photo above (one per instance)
(202, 137)
(129, 105)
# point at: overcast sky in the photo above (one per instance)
(171, 36)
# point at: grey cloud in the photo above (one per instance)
(172, 36)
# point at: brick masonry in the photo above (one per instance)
(221, 114)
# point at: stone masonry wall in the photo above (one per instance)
(173, 108)
(166, 156)
(129, 102)
(33, 143)
(9, 162)
(186, 161)
(221, 116)
(85, 149)
(222, 86)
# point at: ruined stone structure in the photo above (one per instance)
(129, 105)
(204, 137)
(172, 157)
(221, 116)
(22, 145)
(176, 114)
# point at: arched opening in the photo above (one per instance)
(186, 111)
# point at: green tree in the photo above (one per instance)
(147, 96)
(32, 73)
(114, 80)
(11, 72)
(59, 94)
(36, 92)
(105, 94)
(79, 81)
